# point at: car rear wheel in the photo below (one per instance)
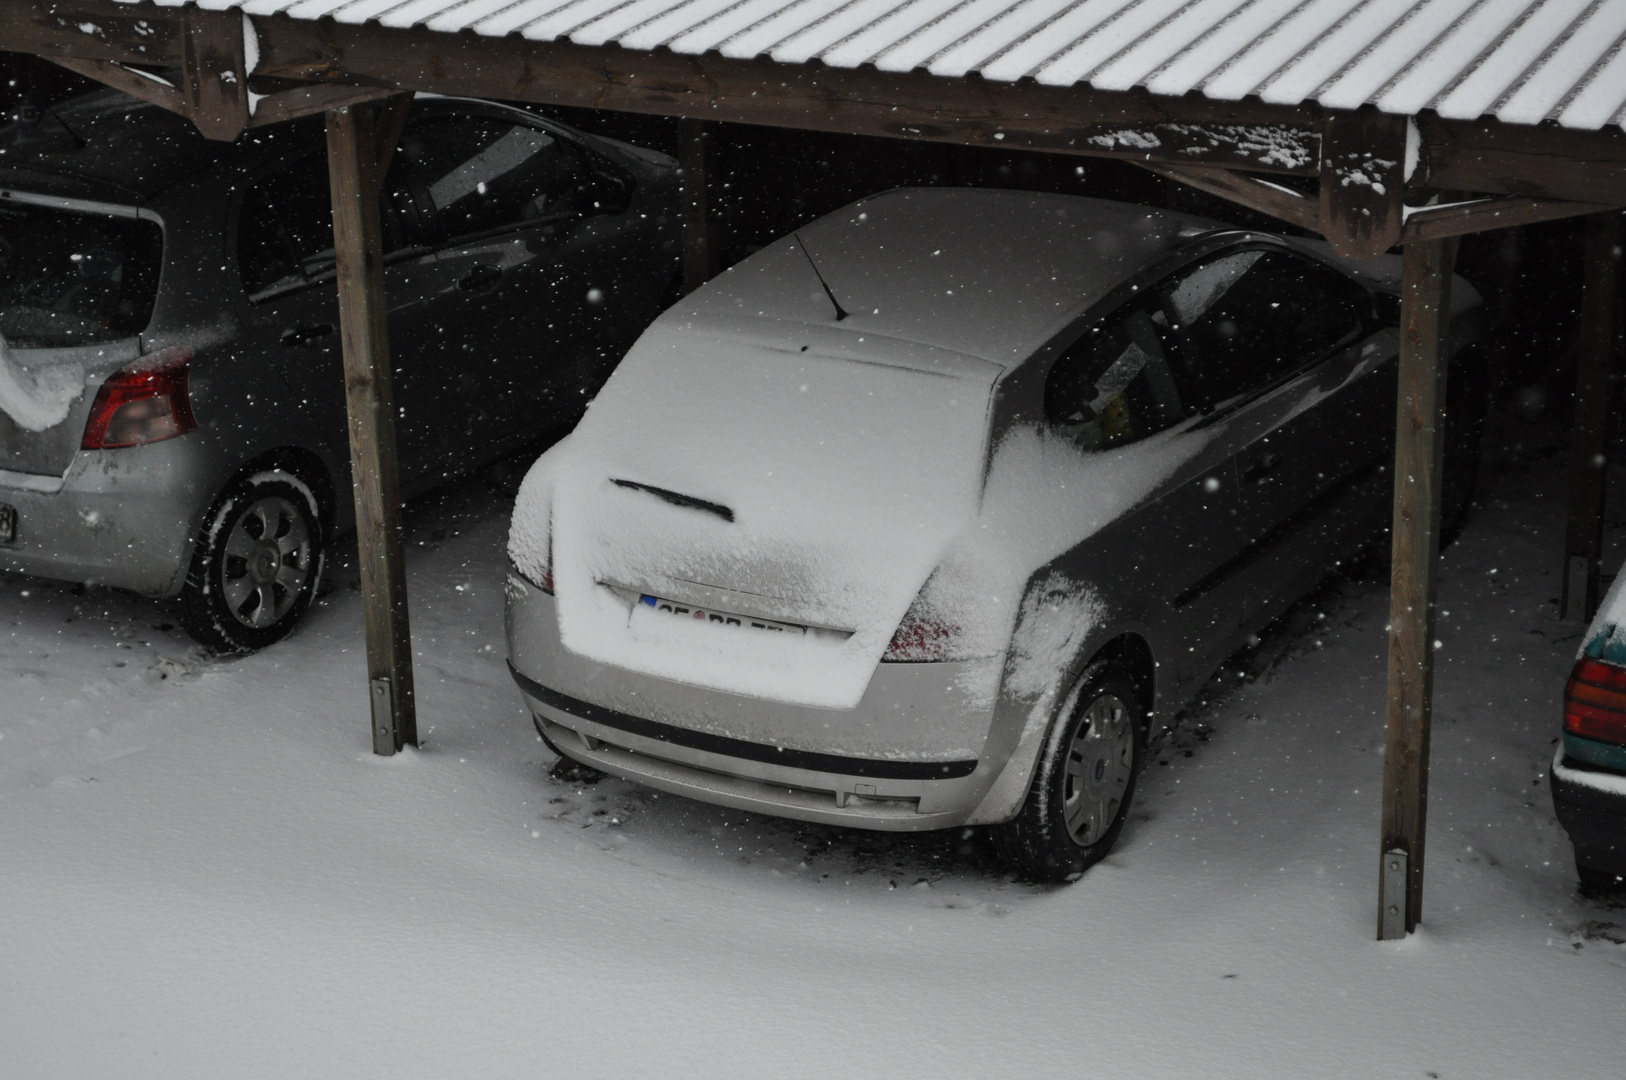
(256, 565)
(1599, 883)
(1083, 786)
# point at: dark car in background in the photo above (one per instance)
(1589, 769)
(172, 409)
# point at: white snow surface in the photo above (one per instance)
(204, 872)
(1522, 61)
(38, 397)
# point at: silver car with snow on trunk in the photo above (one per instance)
(928, 515)
(172, 416)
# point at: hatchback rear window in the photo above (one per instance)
(70, 278)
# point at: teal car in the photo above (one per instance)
(1589, 770)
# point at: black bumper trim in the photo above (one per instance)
(739, 748)
(1595, 821)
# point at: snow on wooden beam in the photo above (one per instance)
(214, 72)
(1363, 182)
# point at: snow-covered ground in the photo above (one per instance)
(205, 873)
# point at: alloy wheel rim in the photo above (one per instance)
(1099, 763)
(267, 562)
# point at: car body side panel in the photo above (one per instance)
(123, 517)
(1314, 480)
(51, 452)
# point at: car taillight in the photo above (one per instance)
(1595, 701)
(922, 638)
(547, 568)
(145, 402)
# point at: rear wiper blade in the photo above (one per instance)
(677, 498)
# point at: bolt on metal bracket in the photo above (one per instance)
(383, 717)
(1392, 896)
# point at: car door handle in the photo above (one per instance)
(480, 279)
(303, 337)
(1261, 469)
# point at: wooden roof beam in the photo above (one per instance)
(1275, 200)
(1484, 156)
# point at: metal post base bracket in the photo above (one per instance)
(1392, 896)
(384, 742)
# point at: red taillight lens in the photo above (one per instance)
(922, 639)
(547, 567)
(1595, 701)
(143, 403)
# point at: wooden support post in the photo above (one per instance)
(692, 167)
(1419, 442)
(354, 153)
(214, 72)
(1583, 541)
(1363, 176)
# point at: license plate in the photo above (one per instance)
(8, 523)
(724, 618)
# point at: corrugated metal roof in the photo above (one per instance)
(1521, 61)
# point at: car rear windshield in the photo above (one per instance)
(70, 278)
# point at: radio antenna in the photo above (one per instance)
(841, 312)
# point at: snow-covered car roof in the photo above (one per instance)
(987, 274)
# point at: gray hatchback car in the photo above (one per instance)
(928, 515)
(172, 412)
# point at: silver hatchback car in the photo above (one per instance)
(927, 515)
(172, 414)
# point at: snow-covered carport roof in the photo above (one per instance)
(1519, 98)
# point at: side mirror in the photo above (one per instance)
(611, 192)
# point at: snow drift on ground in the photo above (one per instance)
(205, 873)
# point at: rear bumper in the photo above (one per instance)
(862, 767)
(125, 518)
(1591, 805)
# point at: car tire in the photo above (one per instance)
(1084, 783)
(1599, 883)
(256, 565)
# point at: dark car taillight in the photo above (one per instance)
(925, 636)
(1595, 701)
(144, 402)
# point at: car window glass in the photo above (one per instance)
(1244, 318)
(285, 226)
(69, 278)
(480, 174)
(1113, 385)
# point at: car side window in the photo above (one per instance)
(1113, 385)
(478, 174)
(285, 225)
(1244, 318)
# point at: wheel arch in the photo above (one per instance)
(308, 468)
(1131, 653)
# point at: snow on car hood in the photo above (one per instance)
(782, 472)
